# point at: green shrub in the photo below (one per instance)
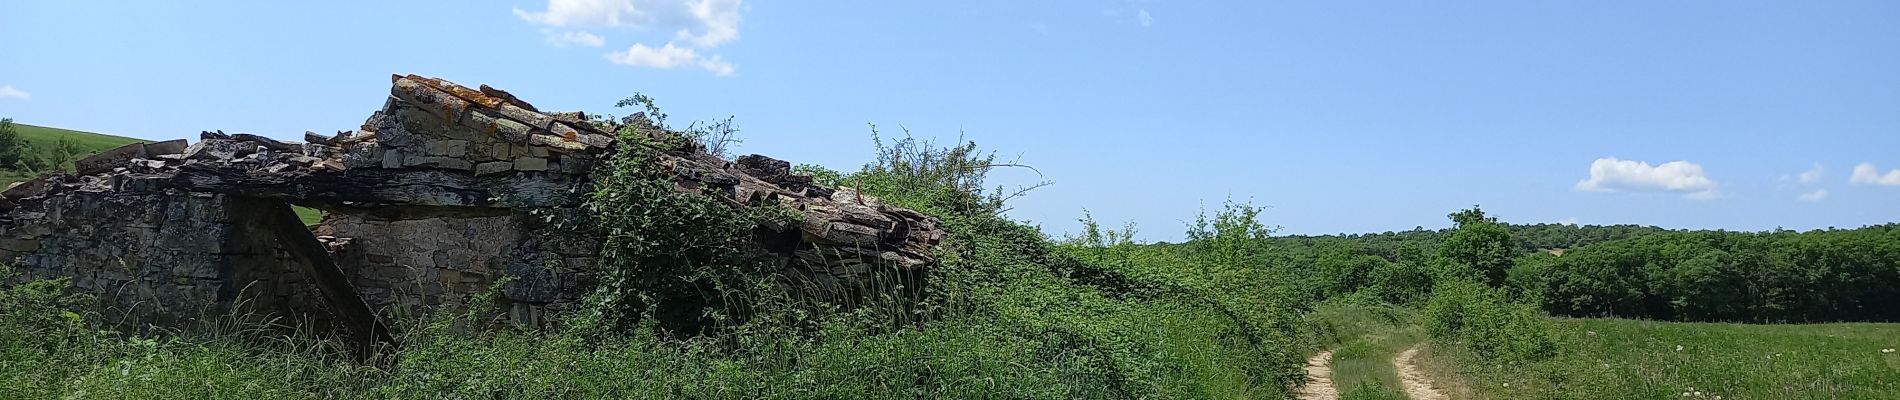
(1482, 319)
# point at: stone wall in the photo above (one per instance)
(440, 194)
(162, 256)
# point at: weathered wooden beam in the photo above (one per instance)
(362, 322)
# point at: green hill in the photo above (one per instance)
(88, 142)
(45, 140)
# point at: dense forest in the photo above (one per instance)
(1629, 270)
(1782, 276)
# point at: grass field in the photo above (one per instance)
(1629, 359)
(43, 138)
(87, 141)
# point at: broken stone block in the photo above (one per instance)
(419, 160)
(531, 164)
(109, 159)
(528, 117)
(447, 148)
(563, 131)
(498, 151)
(314, 137)
(25, 189)
(576, 166)
(268, 143)
(392, 159)
(556, 143)
(595, 141)
(435, 101)
(493, 167)
(173, 146)
(215, 150)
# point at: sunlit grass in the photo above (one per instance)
(1611, 358)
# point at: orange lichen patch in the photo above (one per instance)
(509, 97)
(565, 130)
(459, 91)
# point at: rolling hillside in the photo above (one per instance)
(44, 138)
(88, 141)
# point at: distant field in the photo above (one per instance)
(1627, 359)
(44, 138)
(88, 141)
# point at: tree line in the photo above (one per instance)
(1624, 271)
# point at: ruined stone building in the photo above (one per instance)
(441, 193)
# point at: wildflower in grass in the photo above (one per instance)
(1678, 347)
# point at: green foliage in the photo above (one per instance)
(1483, 320)
(1344, 272)
(820, 175)
(13, 149)
(683, 260)
(1478, 248)
(1403, 283)
(1783, 276)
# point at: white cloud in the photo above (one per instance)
(7, 91)
(1866, 174)
(591, 13)
(570, 38)
(1146, 20)
(1814, 196)
(1572, 221)
(669, 56)
(718, 21)
(700, 25)
(1808, 177)
(1610, 174)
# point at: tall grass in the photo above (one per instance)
(1632, 359)
(1364, 335)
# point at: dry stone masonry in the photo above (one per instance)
(440, 194)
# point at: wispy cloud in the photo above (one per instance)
(8, 92)
(697, 26)
(1806, 177)
(1131, 10)
(1814, 196)
(669, 56)
(1609, 174)
(573, 38)
(1866, 174)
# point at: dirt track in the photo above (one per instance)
(1319, 379)
(1417, 386)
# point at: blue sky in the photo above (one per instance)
(1339, 116)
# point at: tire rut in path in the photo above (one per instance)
(1319, 379)
(1417, 386)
